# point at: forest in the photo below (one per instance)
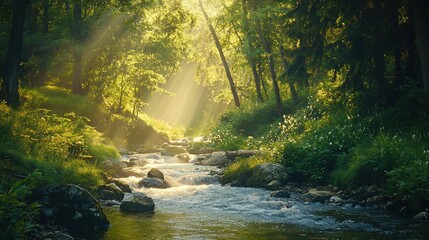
(336, 93)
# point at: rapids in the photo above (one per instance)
(198, 207)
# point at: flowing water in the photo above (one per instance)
(198, 207)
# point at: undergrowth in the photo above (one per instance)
(327, 139)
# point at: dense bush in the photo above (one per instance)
(16, 216)
(332, 140)
(64, 148)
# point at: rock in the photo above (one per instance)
(265, 173)
(183, 157)
(373, 189)
(71, 207)
(422, 216)
(110, 192)
(58, 236)
(155, 173)
(129, 172)
(107, 195)
(137, 203)
(49, 232)
(219, 159)
(242, 153)
(153, 183)
(314, 195)
(114, 166)
(335, 199)
(110, 203)
(281, 194)
(274, 185)
(359, 194)
(379, 199)
(124, 187)
(173, 150)
(137, 162)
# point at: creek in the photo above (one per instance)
(198, 207)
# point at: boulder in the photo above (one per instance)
(124, 187)
(137, 163)
(137, 203)
(242, 153)
(110, 192)
(129, 172)
(155, 173)
(275, 184)
(265, 173)
(183, 157)
(48, 231)
(335, 199)
(153, 183)
(314, 195)
(219, 159)
(114, 166)
(281, 194)
(71, 207)
(379, 199)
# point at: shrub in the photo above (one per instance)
(313, 155)
(222, 138)
(16, 216)
(383, 160)
(241, 169)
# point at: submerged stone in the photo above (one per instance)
(137, 203)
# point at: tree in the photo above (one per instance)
(268, 50)
(11, 83)
(421, 14)
(222, 56)
(77, 35)
(249, 53)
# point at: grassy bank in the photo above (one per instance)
(56, 137)
(324, 139)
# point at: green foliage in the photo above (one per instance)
(63, 147)
(16, 216)
(62, 101)
(313, 155)
(222, 138)
(411, 182)
(241, 169)
(247, 126)
(398, 161)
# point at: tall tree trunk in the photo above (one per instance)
(421, 14)
(250, 47)
(77, 34)
(267, 47)
(42, 74)
(11, 84)
(291, 86)
(261, 80)
(45, 18)
(222, 56)
(379, 62)
(410, 61)
(396, 34)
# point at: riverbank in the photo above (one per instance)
(199, 207)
